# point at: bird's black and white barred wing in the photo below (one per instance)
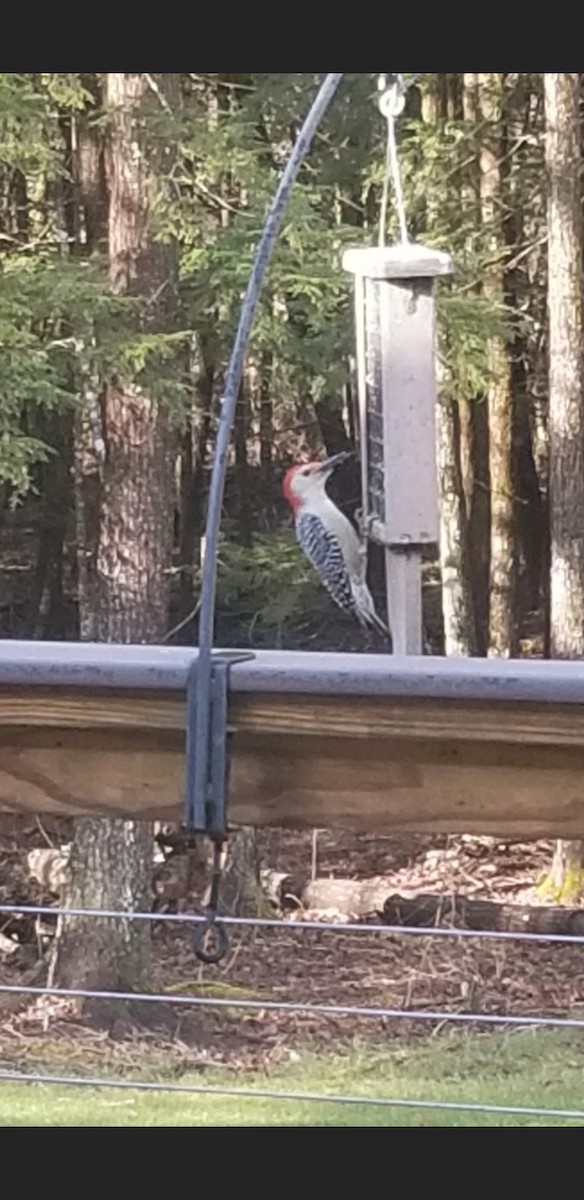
(325, 555)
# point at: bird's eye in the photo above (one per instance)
(306, 471)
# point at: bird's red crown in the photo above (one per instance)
(307, 468)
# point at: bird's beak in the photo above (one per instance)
(330, 464)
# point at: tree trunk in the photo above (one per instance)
(90, 174)
(502, 625)
(88, 171)
(474, 432)
(111, 861)
(459, 637)
(241, 893)
(457, 612)
(566, 406)
(187, 531)
(87, 486)
(266, 422)
(240, 436)
(110, 868)
(47, 615)
(329, 413)
(467, 474)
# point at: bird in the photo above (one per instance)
(328, 539)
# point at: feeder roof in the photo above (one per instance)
(408, 260)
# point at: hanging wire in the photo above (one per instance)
(298, 1097)
(391, 104)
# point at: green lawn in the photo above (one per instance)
(525, 1068)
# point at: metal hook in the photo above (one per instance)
(392, 96)
(392, 101)
(212, 924)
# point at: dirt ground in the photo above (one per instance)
(296, 964)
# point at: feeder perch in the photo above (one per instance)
(395, 340)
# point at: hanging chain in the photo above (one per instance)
(392, 98)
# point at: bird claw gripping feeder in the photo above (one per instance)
(395, 350)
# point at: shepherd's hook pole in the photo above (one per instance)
(228, 405)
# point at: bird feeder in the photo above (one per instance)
(395, 342)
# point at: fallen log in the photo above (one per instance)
(354, 898)
(465, 913)
(357, 899)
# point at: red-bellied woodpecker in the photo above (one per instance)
(328, 539)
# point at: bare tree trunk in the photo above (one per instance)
(87, 486)
(566, 405)
(88, 172)
(459, 636)
(502, 625)
(457, 611)
(241, 893)
(111, 861)
(329, 414)
(266, 421)
(474, 432)
(110, 868)
(46, 615)
(240, 436)
(467, 475)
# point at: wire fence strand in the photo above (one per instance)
(297, 1097)
(438, 1018)
(292, 1006)
(300, 925)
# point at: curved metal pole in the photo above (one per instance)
(228, 403)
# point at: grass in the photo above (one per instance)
(526, 1068)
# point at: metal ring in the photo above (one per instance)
(392, 102)
(199, 935)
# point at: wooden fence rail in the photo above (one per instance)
(368, 742)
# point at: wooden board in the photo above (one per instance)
(305, 716)
(512, 770)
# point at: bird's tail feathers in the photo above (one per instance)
(366, 610)
(378, 624)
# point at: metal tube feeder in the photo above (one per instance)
(395, 343)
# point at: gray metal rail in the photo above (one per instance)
(88, 665)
